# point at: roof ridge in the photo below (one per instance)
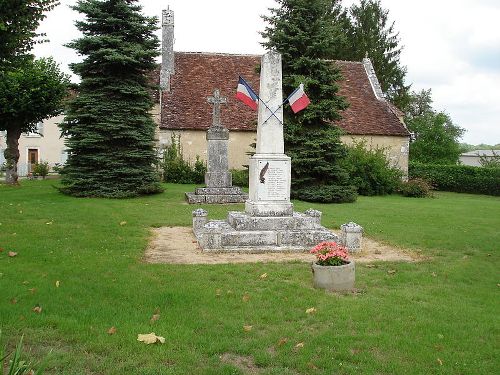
(217, 53)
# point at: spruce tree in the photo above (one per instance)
(109, 126)
(370, 34)
(302, 31)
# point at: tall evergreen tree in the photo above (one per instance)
(109, 127)
(302, 31)
(369, 33)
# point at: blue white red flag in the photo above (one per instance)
(298, 99)
(245, 93)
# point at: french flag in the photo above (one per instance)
(298, 99)
(245, 93)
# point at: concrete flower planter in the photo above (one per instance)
(334, 278)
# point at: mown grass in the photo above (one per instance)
(437, 316)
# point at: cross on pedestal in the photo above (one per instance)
(216, 100)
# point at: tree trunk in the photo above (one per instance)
(12, 155)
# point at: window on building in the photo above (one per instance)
(38, 132)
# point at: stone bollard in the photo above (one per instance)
(351, 236)
(314, 214)
(199, 220)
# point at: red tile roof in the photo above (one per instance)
(198, 74)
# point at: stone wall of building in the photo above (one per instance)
(194, 143)
(397, 148)
(50, 146)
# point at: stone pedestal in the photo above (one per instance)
(351, 236)
(218, 179)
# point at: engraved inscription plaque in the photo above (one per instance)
(273, 183)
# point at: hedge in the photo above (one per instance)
(458, 178)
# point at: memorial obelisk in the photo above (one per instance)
(270, 168)
(268, 223)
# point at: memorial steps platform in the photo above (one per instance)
(242, 232)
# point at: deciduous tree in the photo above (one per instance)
(436, 138)
(29, 93)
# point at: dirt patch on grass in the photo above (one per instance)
(244, 363)
(177, 245)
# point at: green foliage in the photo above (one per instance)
(178, 170)
(459, 178)
(482, 146)
(369, 34)
(301, 30)
(416, 188)
(240, 177)
(110, 128)
(19, 20)
(41, 169)
(491, 161)
(29, 93)
(436, 137)
(97, 259)
(17, 365)
(370, 171)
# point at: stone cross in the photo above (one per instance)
(216, 100)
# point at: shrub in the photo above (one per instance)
(459, 178)
(370, 171)
(240, 177)
(326, 194)
(416, 188)
(41, 169)
(177, 170)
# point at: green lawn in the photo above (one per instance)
(439, 316)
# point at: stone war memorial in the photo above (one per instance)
(268, 222)
(218, 179)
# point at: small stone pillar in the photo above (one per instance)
(199, 220)
(350, 236)
(315, 214)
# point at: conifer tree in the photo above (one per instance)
(369, 33)
(302, 31)
(109, 126)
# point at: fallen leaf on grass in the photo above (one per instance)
(370, 266)
(282, 341)
(33, 290)
(299, 345)
(434, 274)
(247, 328)
(154, 318)
(391, 272)
(150, 338)
(13, 301)
(218, 292)
(440, 362)
(37, 309)
(57, 284)
(12, 254)
(49, 223)
(311, 310)
(263, 276)
(246, 298)
(312, 366)
(1, 249)
(26, 282)
(112, 330)
(122, 223)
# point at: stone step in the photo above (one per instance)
(245, 222)
(193, 198)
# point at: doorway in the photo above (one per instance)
(32, 158)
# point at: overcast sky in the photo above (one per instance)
(450, 46)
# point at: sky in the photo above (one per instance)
(449, 46)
